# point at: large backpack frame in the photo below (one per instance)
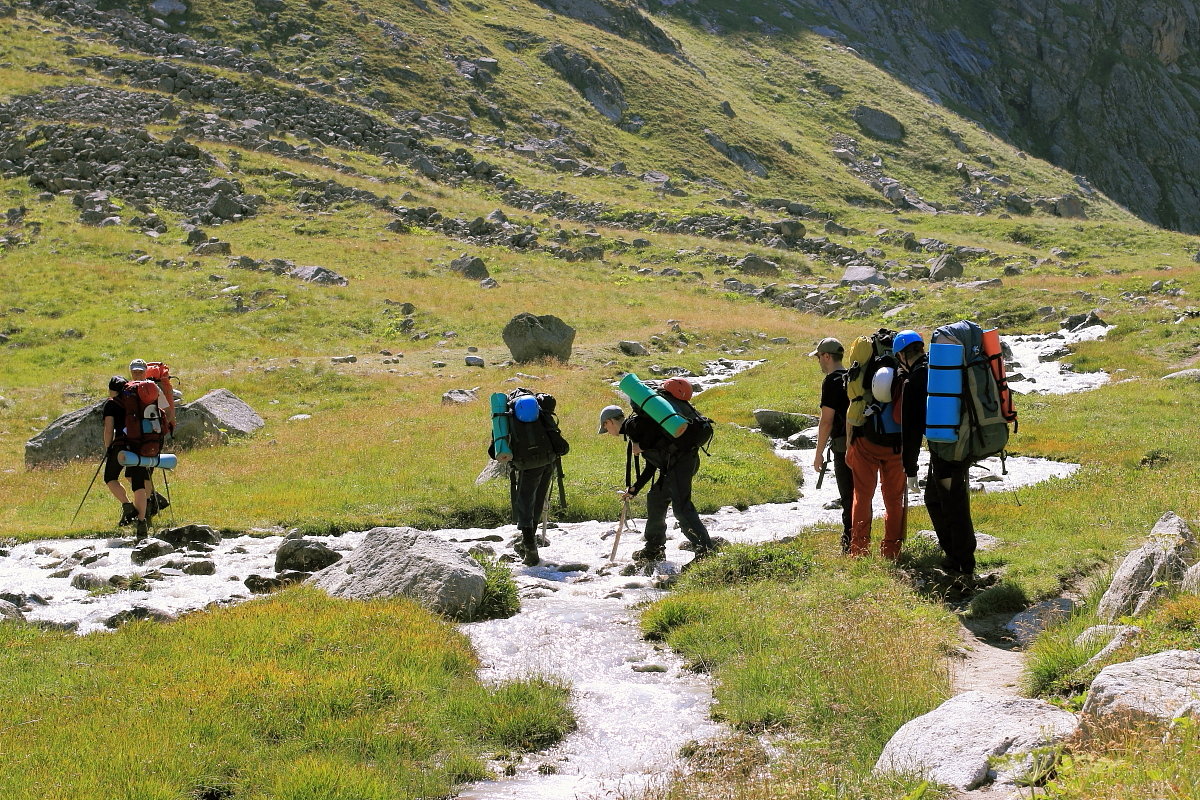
(982, 427)
(143, 433)
(867, 355)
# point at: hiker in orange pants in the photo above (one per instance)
(874, 463)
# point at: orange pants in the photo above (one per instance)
(872, 463)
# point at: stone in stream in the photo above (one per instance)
(150, 549)
(955, 743)
(186, 535)
(1149, 689)
(10, 612)
(304, 555)
(1149, 572)
(394, 562)
(782, 424)
(1026, 626)
(137, 613)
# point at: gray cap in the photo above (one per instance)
(137, 364)
(828, 345)
(610, 412)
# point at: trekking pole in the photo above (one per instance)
(170, 505)
(612, 557)
(824, 465)
(100, 466)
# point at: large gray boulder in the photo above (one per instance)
(953, 744)
(530, 337)
(945, 267)
(782, 424)
(864, 274)
(877, 123)
(214, 417)
(394, 562)
(1149, 572)
(1150, 688)
(78, 434)
(1183, 375)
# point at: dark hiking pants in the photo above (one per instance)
(948, 500)
(845, 484)
(529, 495)
(673, 488)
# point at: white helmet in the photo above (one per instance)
(881, 384)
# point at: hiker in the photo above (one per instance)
(139, 370)
(831, 430)
(877, 448)
(668, 469)
(114, 442)
(534, 446)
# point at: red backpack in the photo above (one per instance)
(160, 373)
(143, 423)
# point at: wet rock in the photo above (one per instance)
(633, 348)
(186, 535)
(394, 562)
(1148, 689)
(530, 337)
(203, 567)
(1026, 626)
(782, 424)
(10, 613)
(955, 744)
(1151, 571)
(214, 418)
(137, 614)
(258, 584)
(150, 549)
(1079, 321)
(304, 555)
(87, 581)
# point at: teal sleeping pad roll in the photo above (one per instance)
(500, 427)
(943, 408)
(652, 404)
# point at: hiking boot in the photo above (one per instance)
(649, 553)
(154, 504)
(529, 549)
(128, 514)
(142, 529)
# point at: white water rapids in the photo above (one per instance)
(636, 702)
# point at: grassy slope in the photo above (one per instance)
(414, 460)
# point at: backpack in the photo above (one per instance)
(160, 373)
(698, 434)
(869, 354)
(143, 432)
(982, 427)
(533, 437)
(659, 447)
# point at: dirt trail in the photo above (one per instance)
(990, 662)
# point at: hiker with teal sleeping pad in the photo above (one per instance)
(116, 418)
(525, 434)
(967, 417)
(666, 433)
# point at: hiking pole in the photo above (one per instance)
(612, 557)
(824, 465)
(100, 466)
(170, 505)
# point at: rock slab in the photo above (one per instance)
(1152, 688)
(953, 743)
(1149, 571)
(394, 562)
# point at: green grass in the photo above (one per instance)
(291, 696)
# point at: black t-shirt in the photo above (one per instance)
(114, 409)
(833, 395)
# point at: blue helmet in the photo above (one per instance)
(904, 339)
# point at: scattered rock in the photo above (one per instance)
(87, 581)
(393, 562)
(1026, 626)
(11, 613)
(945, 267)
(877, 123)
(202, 567)
(304, 555)
(470, 267)
(460, 396)
(863, 274)
(150, 549)
(321, 275)
(343, 359)
(185, 535)
(955, 743)
(633, 348)
(1149, 572)
(73, 435)
(1152, 688)
(753, 264)
(136, 614)
(782, 424)
(474, 361)
(1077, 322)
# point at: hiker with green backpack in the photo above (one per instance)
(670, 449)
(525, 434)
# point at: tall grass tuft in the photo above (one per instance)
(500, 597)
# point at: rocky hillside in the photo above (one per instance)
(1107, 90)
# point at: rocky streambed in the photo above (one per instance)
(636, 702)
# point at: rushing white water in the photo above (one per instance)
(636, 702)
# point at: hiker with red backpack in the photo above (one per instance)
(671, 462)
(160, 374)
(115, 420)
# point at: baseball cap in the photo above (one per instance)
(828, 345)
(610, 412)
(138, 364)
